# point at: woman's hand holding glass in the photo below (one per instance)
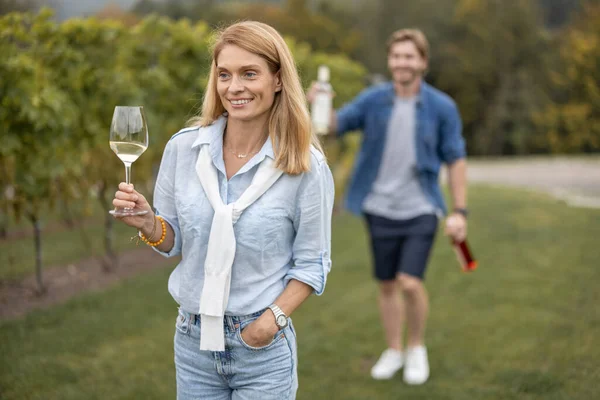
(129, 140)
(128, 197)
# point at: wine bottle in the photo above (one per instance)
(321, 106)
(464, 255)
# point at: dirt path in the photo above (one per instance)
(63, 283)
(574, 180)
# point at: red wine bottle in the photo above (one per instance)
(464, 255)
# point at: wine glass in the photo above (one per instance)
(128, 139)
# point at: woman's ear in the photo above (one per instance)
(278, 85)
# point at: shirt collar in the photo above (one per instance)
(391, 92)
(208, 134)
(267, 150)
(213, 136)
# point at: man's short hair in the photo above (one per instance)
(410, 35)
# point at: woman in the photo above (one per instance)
(245, 196)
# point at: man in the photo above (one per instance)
(409, 129)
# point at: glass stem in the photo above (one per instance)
(127, 173)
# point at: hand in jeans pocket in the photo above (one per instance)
(260, 332)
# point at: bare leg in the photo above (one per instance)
(391, 309)
(417, 308)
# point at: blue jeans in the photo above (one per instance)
(241, 372)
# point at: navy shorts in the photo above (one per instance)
(401, 245)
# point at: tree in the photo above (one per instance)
(97, 85)
(491, 68)
(37, 116)
(7, 6)
(558, 12)
(571, 123)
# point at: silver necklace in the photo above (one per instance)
(240, 155)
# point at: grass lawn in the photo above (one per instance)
(523, 326)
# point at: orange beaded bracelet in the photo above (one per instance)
(162, 236)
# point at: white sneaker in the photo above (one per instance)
(388, 364)
(416, 370)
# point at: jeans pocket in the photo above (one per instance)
(183, 322)
(276, 339)
(291, 325)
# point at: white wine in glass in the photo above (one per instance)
(128, 139)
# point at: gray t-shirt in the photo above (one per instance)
(396, 193)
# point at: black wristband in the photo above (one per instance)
(463, 211)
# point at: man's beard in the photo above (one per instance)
(414, 75)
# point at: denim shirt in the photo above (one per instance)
(438, 139)
(284, 235)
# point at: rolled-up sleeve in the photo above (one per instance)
(164, 196)
(312, 222)
(452, 144)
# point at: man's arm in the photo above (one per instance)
(457, 180)
(456, 223)
(348, 118)
(333, 122)
(453, 153)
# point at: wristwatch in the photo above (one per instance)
(280, 317)
(462, 211)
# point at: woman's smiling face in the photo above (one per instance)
(245, 84)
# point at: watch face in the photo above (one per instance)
(282, 321)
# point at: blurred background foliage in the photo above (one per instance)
(525, 74)
(60, 83)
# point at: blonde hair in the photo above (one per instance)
(289, 121)
(410, 35)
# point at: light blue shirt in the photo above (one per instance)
(285, 234)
